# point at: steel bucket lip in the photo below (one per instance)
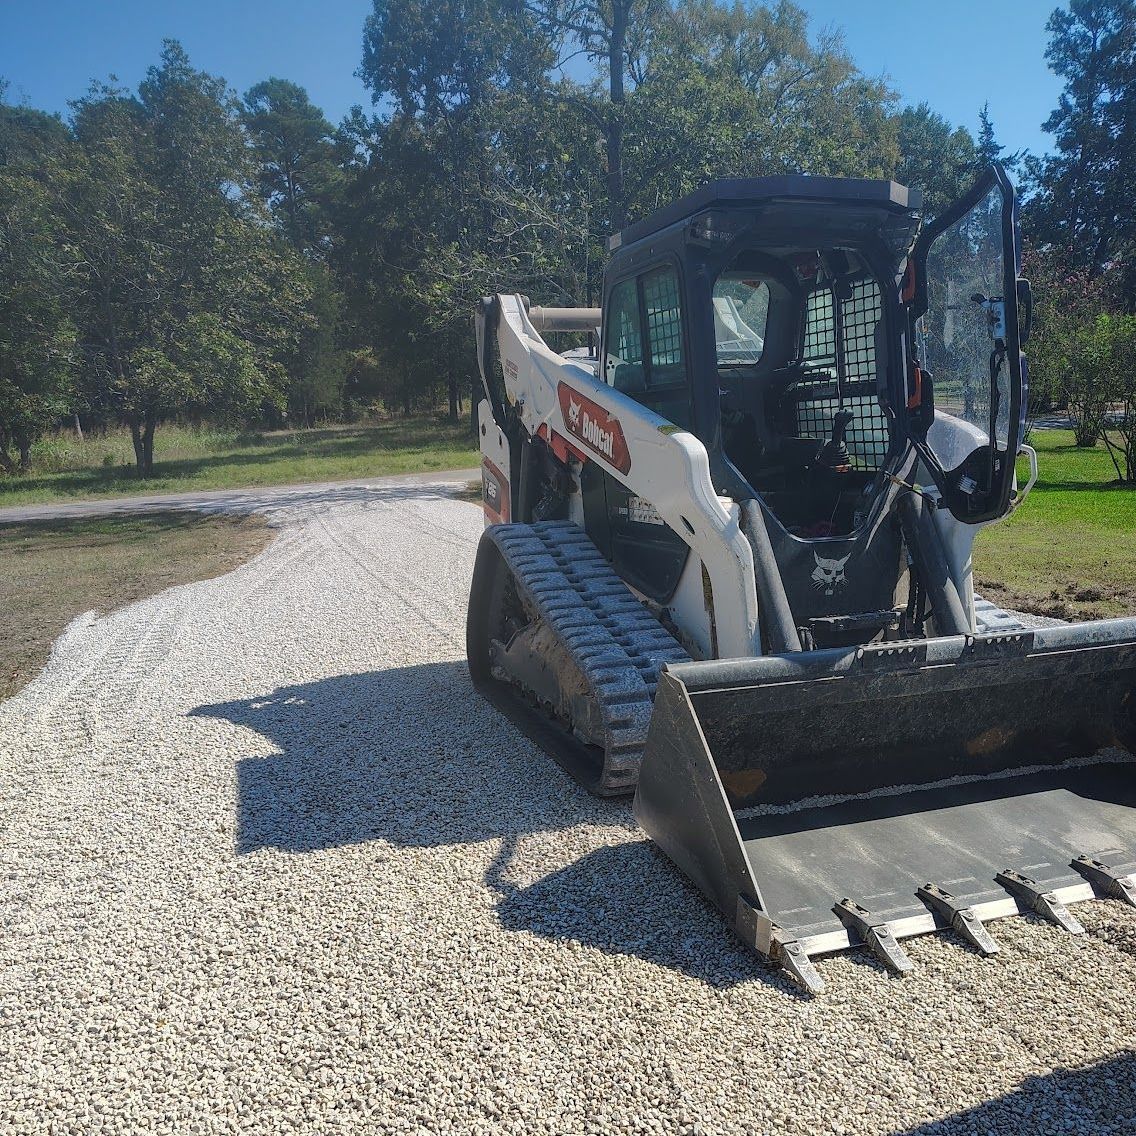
(700, 676)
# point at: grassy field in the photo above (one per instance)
(54, 572)
(186, 459)
(1070, 550)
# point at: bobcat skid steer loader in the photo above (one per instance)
(728, 567)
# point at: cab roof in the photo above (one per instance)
(742, 192)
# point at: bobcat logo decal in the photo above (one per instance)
(828, 575)
(594, 427)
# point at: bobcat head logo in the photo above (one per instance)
(828, 575)
(573, 413)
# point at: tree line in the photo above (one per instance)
(184, 251)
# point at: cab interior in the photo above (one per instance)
(800, 346)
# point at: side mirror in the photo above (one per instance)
(1025, 311)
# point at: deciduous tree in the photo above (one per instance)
(188, 298)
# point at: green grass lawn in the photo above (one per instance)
(187, 459)
(1070, 550)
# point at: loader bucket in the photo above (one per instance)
(830, 799)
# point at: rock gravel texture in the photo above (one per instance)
(269, 865)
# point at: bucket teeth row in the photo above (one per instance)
(878, 937)
(1039, 900)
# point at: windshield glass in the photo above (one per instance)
(741, 308)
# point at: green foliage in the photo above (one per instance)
(1083, 357)
(318, 369)
(1066, 300)
(1083, 207)
(1114, 339)
(37, 337)
(295, 148)
(188, 299)
(935, 157)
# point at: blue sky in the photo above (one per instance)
(955, 55)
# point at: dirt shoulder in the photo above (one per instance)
(56, 570)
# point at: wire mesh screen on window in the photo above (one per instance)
(628, 340)
(664, 325)
(820, 329)
(819, 399)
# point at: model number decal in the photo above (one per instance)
(592, 425)
(641, 512)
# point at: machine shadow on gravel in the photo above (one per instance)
(1100, 1099)
(413, 756)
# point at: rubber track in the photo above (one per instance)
(615, 641)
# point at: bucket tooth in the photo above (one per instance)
(961, 917)
(876, 934)
(795, 961)
(1040, 901)
(1106, 880)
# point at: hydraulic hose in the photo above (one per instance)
(930, 564)
(776, 615)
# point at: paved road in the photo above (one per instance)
(268, 864)
(252, 500)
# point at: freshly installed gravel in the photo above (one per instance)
(269, 865)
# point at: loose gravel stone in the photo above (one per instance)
(270, 865)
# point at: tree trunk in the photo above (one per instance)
(136, 438)
(25, 444)
(78, 428)
(455, 403)
(142, 435)
(614, 132)
(148, 444)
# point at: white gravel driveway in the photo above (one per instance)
(269, 865)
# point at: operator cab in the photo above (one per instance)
(756, 314)
(791, 324)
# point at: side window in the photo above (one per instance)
(643, 350)
(623, 360)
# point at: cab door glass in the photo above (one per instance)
(623, 353)
(664, 327)
(958, 335)
(668, 386)
(967, 393)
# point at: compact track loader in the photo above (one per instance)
(728, 567)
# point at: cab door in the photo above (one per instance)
(966, 392)
(644, 356)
